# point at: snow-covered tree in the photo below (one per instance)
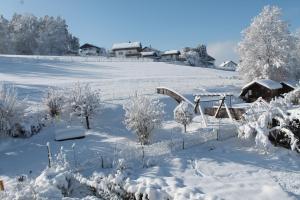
(54, 100)
(84, 102)
(24, 32)
(266, 46)
(183, 114)
(11, 111)
(4, 36)
(197, 56)
(142, 116)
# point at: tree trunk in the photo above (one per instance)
(184, 128)
(87, 122)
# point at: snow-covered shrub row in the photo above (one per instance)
(266, 123)
(27, 34)
(60, 182)
(184, 114)
(142, 116)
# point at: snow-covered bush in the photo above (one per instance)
(54, 100)
(83, 102)
(142, 115)
(183, 114)
(11, 111)
(266, 50)
(271, 123)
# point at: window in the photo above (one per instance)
(250, 92)
(120, 53)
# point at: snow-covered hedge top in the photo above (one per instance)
(268, 83)
(170, 52)
(126, 45)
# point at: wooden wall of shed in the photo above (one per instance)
(236, 113)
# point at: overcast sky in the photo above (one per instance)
(165, 24)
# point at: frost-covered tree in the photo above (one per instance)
(27, 34)
(24, 32)
(183, 114)
(4, 36)
(55, 101)
(84, 102)
(142, 116)
(11, 111)
(54, 38)
(266, 46)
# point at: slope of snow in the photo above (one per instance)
(228, 169)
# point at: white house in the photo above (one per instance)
(228, 65)
(128, 49)
(91, 50)
(171, 55)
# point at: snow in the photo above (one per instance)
(126, 45)
(205, 169)
(69, 133)
(268, 83)
(169, 52)
(148, 53)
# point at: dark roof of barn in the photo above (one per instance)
(87, 45)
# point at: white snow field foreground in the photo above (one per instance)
(205, 169)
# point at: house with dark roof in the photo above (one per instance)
(127, 49)
(228, 65)
(265, 88)
(91, 50)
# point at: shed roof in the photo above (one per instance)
(148, 53)
(127, 45)
(171, 52)
(268, 83)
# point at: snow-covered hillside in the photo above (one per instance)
(176, 166)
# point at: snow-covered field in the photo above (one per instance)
(226, 169)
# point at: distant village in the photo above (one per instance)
(191, 56)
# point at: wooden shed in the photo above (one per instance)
(265, 88)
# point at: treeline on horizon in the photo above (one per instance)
(26, 34)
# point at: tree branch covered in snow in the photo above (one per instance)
(273, 123)
(142, 115)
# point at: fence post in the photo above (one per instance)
(102, 162)
(49, 155)
(1, 185)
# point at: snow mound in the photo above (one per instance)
(69, 133)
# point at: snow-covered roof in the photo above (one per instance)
(170, 52)
(127, 45)
(288, 84)
(273, 85)
(224, 64)
(149, 53)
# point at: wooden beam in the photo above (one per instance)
(220, 106)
